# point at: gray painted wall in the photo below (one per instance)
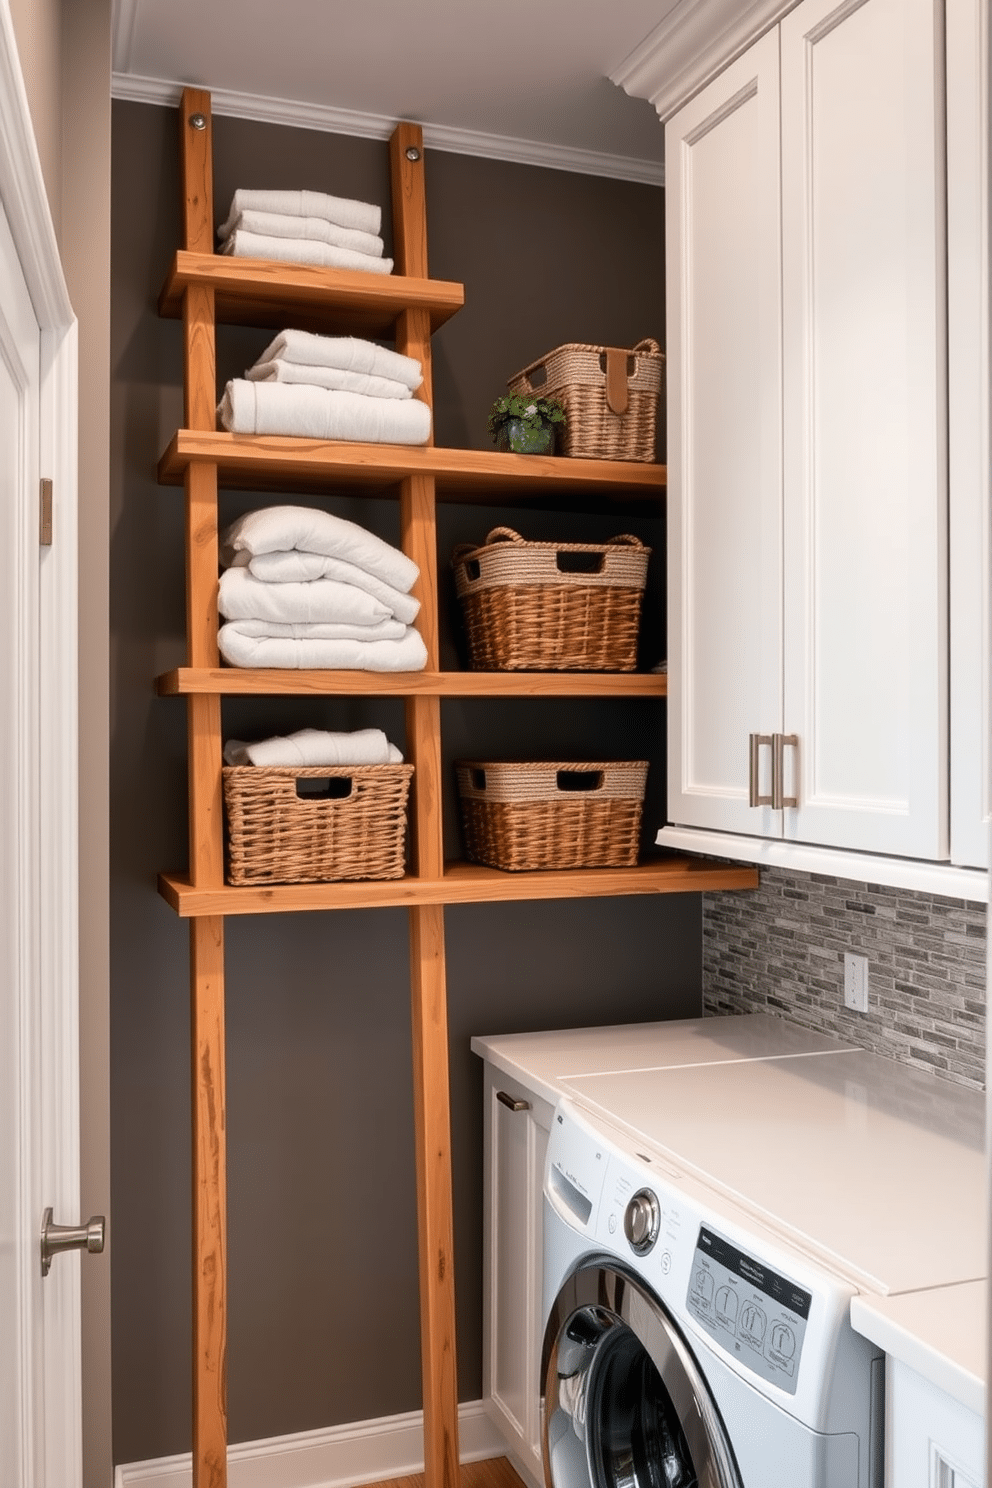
(323, 1280)
(781, 950)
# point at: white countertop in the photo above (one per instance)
(939, 1333)
(542, 1061)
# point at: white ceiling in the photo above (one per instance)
(515, 78)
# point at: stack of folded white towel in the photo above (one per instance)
(303, 588)
(305, 227)
(328, 387)
(315, 747)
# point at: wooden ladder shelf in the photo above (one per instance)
(205, 288)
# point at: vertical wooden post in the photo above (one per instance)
(206, 860)
(209, 1204)
(435, 1229)
(428, 989)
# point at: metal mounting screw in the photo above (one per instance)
(412, 153)
(197, 121)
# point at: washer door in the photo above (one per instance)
(625, 1403)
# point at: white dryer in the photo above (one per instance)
(686, 1345)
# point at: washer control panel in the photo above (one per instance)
(754, 1313)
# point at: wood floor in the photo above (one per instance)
(494, 1472)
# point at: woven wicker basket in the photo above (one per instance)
(610, 397)
(536, 606)
(349, 823)
(551, 815)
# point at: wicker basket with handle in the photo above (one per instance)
(540, 606)
(316, 824)
(610, 397)
(531, 816)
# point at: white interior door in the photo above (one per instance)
(864, 338)
(20, 1137)
(39, 1334)
(724, 443)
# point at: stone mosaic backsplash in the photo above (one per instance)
(780, 948)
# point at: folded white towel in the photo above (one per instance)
(301, 568)
(300, 250)
(275, 529)
(315, 747)
(327, 630)
(317, 229)
(241, 596)
(321, 413)
(362, 216)
(328, 377)
(406, 655)
(349, 353)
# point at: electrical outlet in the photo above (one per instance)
(856, 982)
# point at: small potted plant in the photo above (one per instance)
(526, 426)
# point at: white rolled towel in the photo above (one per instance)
(317, 630)
(305, 412)
(316, 229)
(315, 747)
(406, 655)
(240, 596)
(302, 568)
(328, 377)
(362, 216)
(302, 250)
(349, 353)
(307, 529)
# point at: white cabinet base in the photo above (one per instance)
(931, 1440)
(516, 1141)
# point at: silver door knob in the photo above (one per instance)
(55, 1238)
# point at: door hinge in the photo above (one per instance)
(45, 512)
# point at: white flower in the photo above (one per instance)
(531, 408)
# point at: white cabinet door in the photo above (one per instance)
(968, 349)
(724, 441)
(931, 1440)
(864, 424)
(516, 1139)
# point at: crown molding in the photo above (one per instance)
(377, 126)
(690, 46)
(124, 16)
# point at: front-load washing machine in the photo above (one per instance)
(685, 1346)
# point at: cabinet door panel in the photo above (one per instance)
(724, 441)
(512, 1180)
(864, 424)
(968, 208)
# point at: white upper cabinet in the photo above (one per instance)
(864, 425)
(810, 623)
(724, 335)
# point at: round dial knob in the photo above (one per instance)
(641, 1221)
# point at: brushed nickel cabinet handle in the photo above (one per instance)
(779, 800)
(755, 743)
(510, 1101)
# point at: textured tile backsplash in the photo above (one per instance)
(780, 948)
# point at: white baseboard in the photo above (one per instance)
(338, 1457)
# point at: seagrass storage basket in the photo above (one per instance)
(315, 824)
(551, 815)
(610, 397)
(539, 606)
